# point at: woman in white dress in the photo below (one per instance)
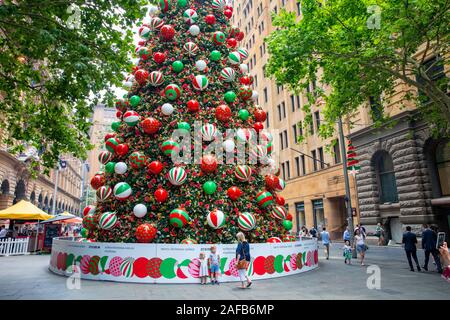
(203, 268)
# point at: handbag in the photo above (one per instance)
(242, 264)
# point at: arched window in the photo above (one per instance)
(32, 197)
(387, 185)
(5, 187)
(443, 166)
(19, 192)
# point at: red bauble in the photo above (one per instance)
(234, 193)
(232, 42)
(229, 8)
(167, 32)
(155, 167)
(223, 113)
(161, 195)
(141, 76)
(260, 115)
(193, 105)
(258, 126)
(280, 200)
(97, 181)
(228, 13)
(150, 125)
(159, 57)
(122, 149)
(142, 42)
(272, 181)
(119, 114)
(210, 19)
(246, 80)
(289, 217)
(145, 233)
(110, 135)
(209, 163)
(239, 36)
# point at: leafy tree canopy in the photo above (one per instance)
(56, 59)
(361, 49)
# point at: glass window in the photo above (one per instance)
(279, 112)
(321, 157)
(288, 167)
(317, 120)
(292, 103)
(300, 215)
(297, 166)
(314, 159)
(294, 129)
(387, 184)
(267, 119)
(266, 97)
(281, 140)
(283, 169)
(337, 152)
(443, 166)
(286, 144)
(376, 108)
(318, 214)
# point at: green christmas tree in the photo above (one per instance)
(190, 71)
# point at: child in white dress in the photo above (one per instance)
(203, 268)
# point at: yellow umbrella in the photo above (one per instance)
(24, 210)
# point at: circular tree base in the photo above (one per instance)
(175, 263)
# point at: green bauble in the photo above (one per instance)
(182, 3)
(244, 114)
(230, 96)
(84, 232)
(184, 126)
(177, 66)
(209, 187)
(287, 224)
(115, 125)
(109, 167)
(134, 100)
(214, 55)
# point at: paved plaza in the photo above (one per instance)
(28, 277)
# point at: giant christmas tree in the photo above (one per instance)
(191, 69)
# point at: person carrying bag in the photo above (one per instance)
(243, 260)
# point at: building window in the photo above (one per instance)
(266, 97)
(320, 150)
(299, 8)
(300, 215)
(298, 102)
(288, 169)
(318, 214)
(435, 70)
(294, 130)
(283, 107)
(300, 128)
(281, 141)
(443, 166)
(314, 159)
(387, 185)
(275, 9)
(311, 127)
(286, 144)
(279, 112)
(283, 169)
(376, 108)
(317, 120)
(302, 158)
(337, 152)
(267, 119)
(292, 103)
(297, 166)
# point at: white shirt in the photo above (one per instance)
(3, 233)
(359, 240)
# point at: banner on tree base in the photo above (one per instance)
(176, 263)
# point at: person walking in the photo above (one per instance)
(379, 232)
(313, 232)
(429, 238)
(3, 232)
(409, 241)
(243, 259)
(445, 258)
(360, 241)
(325, 235)
(346, 236)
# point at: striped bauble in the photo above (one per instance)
(227, 74)
(169, 147)
(104, 157)
(190, 16)
(246, 221)
(104, 193)
(191, 48)
(137, 160)
(177, 176)
(281, 185)
(165, 5)
(209, 131)
(126, 267)
(107, 220)
(218, 37)
(155, 23)
(279, 212)
(144, 32)
(234, 58)
(122, 190)
(264, 199)
(243, 172)
(218, 4)
(131, 118)
(200, 82)
(156, 78)
(178, 218)
(243, 52)
(188, 241)
(216, 219)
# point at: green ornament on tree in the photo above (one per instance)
(244, 114)
(115, 125)
(209, 187)
(230, 96)
(287, 224)
(134, 100)
(177, 66)
(182, 3)
(84, 232)
(109, 167)
(215, 55)
(184, 126)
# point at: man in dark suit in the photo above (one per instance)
(429, 238)
(410, 241)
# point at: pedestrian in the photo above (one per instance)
(243, 259)
(346, 236)
(379, 232)
(203, 272)
(313, 232)
(361, 229)
(361, 247)
(214, 261)
(3, 232)
(445, 258)
(409, 241)
(326, 241)
(429, 239)
(347, 252)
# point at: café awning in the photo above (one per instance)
(24, 210)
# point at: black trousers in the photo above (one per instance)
(412, 254)
(436, 259)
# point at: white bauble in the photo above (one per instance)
(244, 68)
(128, 84)
(120, 168)
(228, 145)
(152, 10)
(200, 65)
(140, 210)
(254, 95)
(194, 30)
(167, 109)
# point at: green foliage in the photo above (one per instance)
(52, 72)
(361, 51)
